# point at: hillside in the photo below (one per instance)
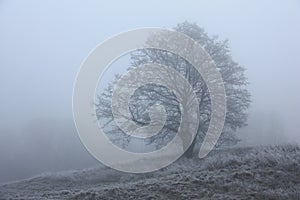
(271, 172)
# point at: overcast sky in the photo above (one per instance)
(43, 43)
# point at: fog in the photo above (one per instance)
(43, 43)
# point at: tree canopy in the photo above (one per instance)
(233, 75)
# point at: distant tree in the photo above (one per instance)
(235, 81)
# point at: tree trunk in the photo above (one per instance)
(189, 152)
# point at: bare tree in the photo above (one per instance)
(237, 96)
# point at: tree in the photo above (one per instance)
(235, 81)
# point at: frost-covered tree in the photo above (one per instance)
(237, 96)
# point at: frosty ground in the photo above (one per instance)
(271, 172)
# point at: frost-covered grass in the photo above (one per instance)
(271, 172)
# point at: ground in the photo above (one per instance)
(271, 172)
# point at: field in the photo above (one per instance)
(269, 172)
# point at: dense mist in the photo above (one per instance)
(43, 43)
